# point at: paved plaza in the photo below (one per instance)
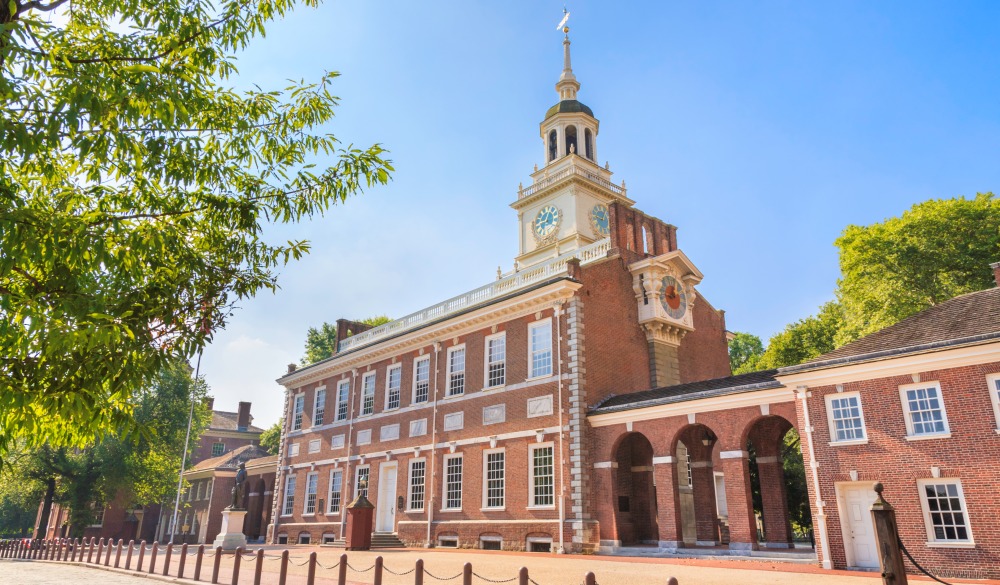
(445, 567)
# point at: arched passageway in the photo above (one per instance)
(634, 491)
(697, 499)
(777, 480)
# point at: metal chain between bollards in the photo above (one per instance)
(360, 570)
(432, 576)
(488, 580)
(916, 564)
(304, 563)
(390, 571)
(330, 568)
(532, 581)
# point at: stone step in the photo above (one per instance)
(379, 540)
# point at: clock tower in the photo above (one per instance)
(566, 205)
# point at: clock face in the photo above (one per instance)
(673, 297)
(546, 222)
(600, 219)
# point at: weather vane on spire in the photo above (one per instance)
(562, 22)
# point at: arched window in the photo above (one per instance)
(552, 145)
(588, 139)
(571, 146)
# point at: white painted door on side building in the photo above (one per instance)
(385, 508)
(855, 500)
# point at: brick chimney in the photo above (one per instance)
(996, 272)
(243, 417)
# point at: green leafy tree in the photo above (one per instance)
(935, 251)
(270, 439)
(743, 348)
(135, 184)
(321, 342)
(801, 341)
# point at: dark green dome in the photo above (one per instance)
(568, 107)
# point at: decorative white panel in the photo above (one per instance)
(314, 446)
(337, 442)
(418, 427)
(388, 433)
(293, 450)
(365, 437)
(539, 406)
(494, 414)
(454, 421)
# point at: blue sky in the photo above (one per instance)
(760, 129)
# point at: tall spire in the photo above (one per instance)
(567, 85)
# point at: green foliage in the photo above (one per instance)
(801, 341)
(935, 251)
(321, 343)
(796, 489)
(134, 188)
(744, 347)
(270, 439)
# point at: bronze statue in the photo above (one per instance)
(241, 477)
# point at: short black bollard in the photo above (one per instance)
(100, 549)
(236, 566)
(107, 555)
(283, 571)
(90, 551)
(197, 561)
(522, 576)
(672, 581)
(589, 579)
(467, 574)
(128, 554)
(259, 568)
(215, 566)
(342, 570)
(152, 557)
(311, 574)
(142, 553)
(118, 552)
(378, 571)
(166, 558)
(418, 572)
(180, 565)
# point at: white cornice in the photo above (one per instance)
(714, 403)
(895, 366)
(230, 434)
(513, 308)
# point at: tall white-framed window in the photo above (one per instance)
(452, 499)
(312, 480)
(923, 408)
(393, 382)
(540, 348)
(197, 491)
(218, 449)
(494, 479)
(993, 381)
(421, 379)
(98, 512)
(542, 480)
(336, 487)
(343, 398)
(319, 406)
(456, 370)
(945, 513)
(845, 417)
(496, 360)
(298, 406)
(417, 485)
(289, 506)
(368, 394)
(361, 476)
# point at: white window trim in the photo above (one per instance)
(284, 496)
(929, 526)
(305, 494)
(485, 491)
(329, 502)
(316, 395)
(361, 410)
(910, 436)
(444, 482)
(832, 425)
(388, 377)
(486, 361)
(357, 475)
(993, 381)
(413, 388)
(409, 481)
(552, 349)
(531, 476)
(295, 401)
(448, 372)
(347, 403)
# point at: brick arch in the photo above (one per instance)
(765, 436)
(633, 490)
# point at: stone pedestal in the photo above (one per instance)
(231, 535)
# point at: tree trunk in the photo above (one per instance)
(43, 521)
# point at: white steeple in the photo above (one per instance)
(567, 85)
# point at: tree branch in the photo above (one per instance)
(37, 5)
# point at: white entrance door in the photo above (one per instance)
(385, 508)
(855, 501)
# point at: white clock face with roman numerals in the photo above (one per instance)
(546, 222)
